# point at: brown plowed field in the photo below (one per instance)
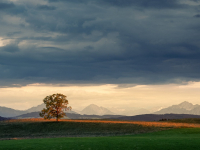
(143, 123)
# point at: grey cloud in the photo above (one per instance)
(13, 33)
(4, 6)
(11, 8)
(53, 64)
(197, 15)
(128, 3)
(195, 0)
(85, 42)
(10, 48)
(145, 3)
(46, 7)
(70, 1)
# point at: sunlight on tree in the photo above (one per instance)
(55, 106)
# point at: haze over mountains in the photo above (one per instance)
(96, 110)
(131, 112)
(182, 108)
(36, 108)
(9, 112)
(92, 109)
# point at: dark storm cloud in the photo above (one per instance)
(10, 48)
(128, 3)
(75, 1)
(11, 8)
(46, 7)
(197, 15)
(145, 3)
(6, 5)
(138, 42)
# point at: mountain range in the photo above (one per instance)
(89, 110)
(145, 117)
(69, 116)
(182, 108)
(9, 112)
(96, 110)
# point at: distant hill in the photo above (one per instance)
(96, 110)
(2, 118)
(9, 112)
(155, 117)
(36, 108)
(89, 110)
(69, 116)
(28, 115)
(182, 108)
(146, 117)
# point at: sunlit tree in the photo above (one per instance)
(55, 106)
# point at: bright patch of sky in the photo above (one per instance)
(108, 95)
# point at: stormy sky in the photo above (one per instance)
(120, 42)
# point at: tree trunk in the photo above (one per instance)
(57, 115)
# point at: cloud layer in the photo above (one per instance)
(103, 41)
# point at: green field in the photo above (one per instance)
(69, 129)
(96, 136)
(173, 139)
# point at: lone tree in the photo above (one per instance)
(55, 106)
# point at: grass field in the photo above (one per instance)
(173, 139)
(98, 135)
(187, 120)
(70, 128)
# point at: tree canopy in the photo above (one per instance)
(55, 106)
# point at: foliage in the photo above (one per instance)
(55, 106)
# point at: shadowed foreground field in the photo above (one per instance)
(34, 134)
(173, 139)
(37, 128)
(40, 128)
